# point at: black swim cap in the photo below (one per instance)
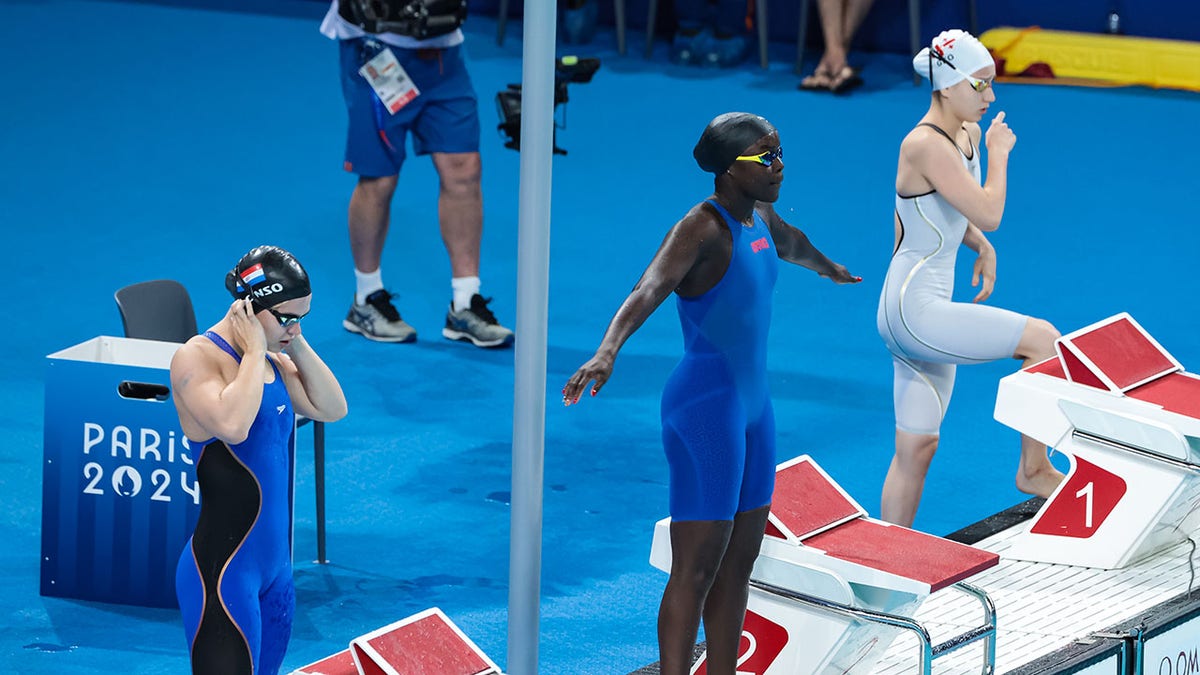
(268, 275)
(726, 138)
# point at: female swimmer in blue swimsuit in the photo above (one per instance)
(236, 387)
(718, 427)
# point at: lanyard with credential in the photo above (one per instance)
(369, 49)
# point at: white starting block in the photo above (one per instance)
(426, 643)
(1128, 417)
(832, 587)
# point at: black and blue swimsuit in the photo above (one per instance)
(234, 578)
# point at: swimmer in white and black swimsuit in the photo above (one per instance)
(940, 204)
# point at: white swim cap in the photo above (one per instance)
(955, 54)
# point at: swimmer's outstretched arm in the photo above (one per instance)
(682, 250)
(795, 247)
(314, 390)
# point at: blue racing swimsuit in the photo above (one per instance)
(234, 579)
(718, 423)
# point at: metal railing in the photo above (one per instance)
(929, 651)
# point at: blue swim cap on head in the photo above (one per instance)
(727, 137)
(268, 275)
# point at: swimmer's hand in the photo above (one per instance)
(985, 268)
(598, 368)
(999, 137)
(838, 274)
(247, 331)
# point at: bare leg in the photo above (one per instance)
(832, 28)
(460, 209)
(697, 547)
(1035, 474)
(725, 607)
(370, 211)
(853, 14)
(906, 477)
(839, 21)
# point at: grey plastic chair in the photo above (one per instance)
(162, 310)
(157, 310)
(760, 23)
(619, 20)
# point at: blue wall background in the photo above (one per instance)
(886, 27)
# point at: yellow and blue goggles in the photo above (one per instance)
(766, 158)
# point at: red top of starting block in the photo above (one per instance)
(427, 643)
(1176, 392)
(807, 501)
(907, 553)
(341, 663)
(1115, 354)
(810, 508)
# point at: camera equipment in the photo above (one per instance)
(419, 19)
(568, 69)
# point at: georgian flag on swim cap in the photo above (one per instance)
(951, 56)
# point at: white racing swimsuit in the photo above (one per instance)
(926, 332)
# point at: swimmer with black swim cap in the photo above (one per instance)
(237, 392)
(276, 284)
(726, 136)
(718, 426)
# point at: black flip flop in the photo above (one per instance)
(822, 86)
(847, 83)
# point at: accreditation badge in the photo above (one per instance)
(386, 76)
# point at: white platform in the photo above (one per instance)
(1042, 607)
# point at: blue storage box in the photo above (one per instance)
(119, 493)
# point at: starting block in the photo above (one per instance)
(426, 643)
(1128, 418)
(832, 587)
(341, 663)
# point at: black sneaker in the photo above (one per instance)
(477, 324)
(378, 320)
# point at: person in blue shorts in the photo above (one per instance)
(718, 428)
(236, 389)
(403, 78)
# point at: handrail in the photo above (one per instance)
(929, 652)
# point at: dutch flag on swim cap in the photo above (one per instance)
(253, 275)
(271, 274)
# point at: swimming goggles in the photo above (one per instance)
(286, 320)
(766, 158)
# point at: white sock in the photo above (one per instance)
(464, 288)
(368, 283)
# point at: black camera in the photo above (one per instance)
(418, 19)
(568, 69)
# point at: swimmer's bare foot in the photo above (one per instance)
(1040, 482)
(819, 81)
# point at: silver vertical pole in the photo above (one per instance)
(529, 395)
